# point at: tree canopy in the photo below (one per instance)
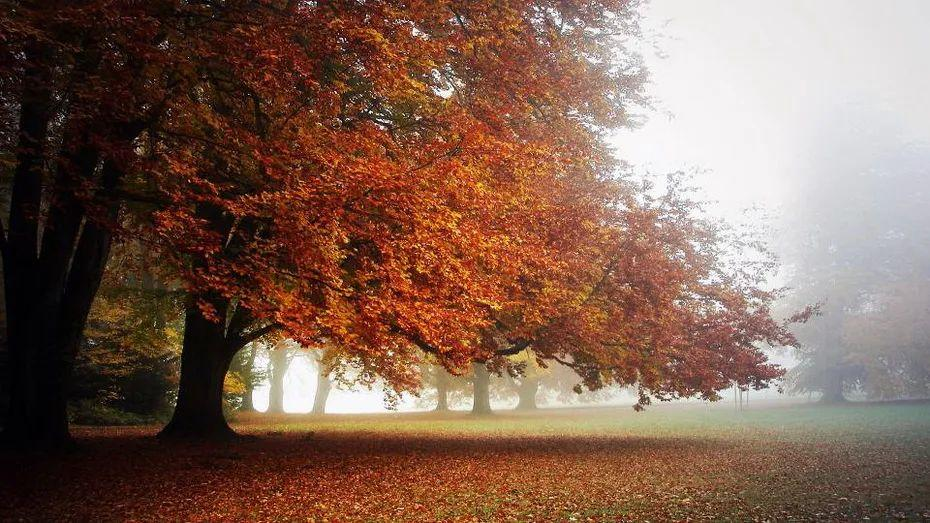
(384, 178)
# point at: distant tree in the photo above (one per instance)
(481, 383)
(524, 375)
(441, 390)
(855, 240)
(323, 383)
(280, 357)
(249, 374)
(532, 383)
(891, 342)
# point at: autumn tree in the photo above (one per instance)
(653, 299)
(387, 177)
(404, 236)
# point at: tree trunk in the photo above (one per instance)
(527, 393)
(279, 364)
(205, 359)
(482, 389)
(323, 388)
(27, 418)
(247, 404)
(833, 387)
(442, 390)
(50, 283)
(49, 301)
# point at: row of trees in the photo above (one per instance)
(382, 179)
(521, 379)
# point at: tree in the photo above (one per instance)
(855, 241)
(481, 381)
(323, 383)
(441, 390)
(383, 177)
(244, 367)
(891, 342)
(279, 361)
(76, 96)
(653, 298)
(523, 375)
(394, 178)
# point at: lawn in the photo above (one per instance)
(672, 462)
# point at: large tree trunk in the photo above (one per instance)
(280, 361)
(27, 419)
(205, 360)
(323, 388)
(527, 393)
(208, 350)
(49, 287)
(833, 387)
(482, 389)
(442, 390)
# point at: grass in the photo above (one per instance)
(672, 462)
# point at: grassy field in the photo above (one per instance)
(668, 463)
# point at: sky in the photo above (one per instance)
(746, 86)
(742, 91)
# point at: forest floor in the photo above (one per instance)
(671, 462)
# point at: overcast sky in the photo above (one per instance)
(747, 85)
(744, 90)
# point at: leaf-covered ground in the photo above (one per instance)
(668, 463)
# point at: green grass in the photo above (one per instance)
(782, 422)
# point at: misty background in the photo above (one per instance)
(798, 111)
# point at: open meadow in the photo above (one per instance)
(671, 462)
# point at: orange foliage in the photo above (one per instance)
(388, 176)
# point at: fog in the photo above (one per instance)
(745, 89)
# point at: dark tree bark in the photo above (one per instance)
(323, 388)
(280, 361)
(482, 389)
(50, 286)
(205, 358)
(527, 393)
(442, 390)
(25, 422)
(207, 352)
(48, 304)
